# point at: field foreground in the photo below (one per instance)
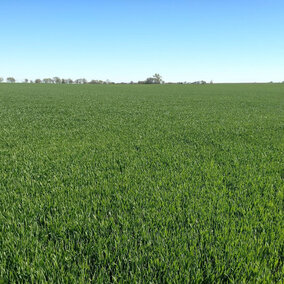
(170, 183)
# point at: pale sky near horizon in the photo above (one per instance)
(124, 40)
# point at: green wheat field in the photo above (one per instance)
(141, 183)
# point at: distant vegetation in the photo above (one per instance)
(155, 79)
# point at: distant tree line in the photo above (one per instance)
(155, 79)
(57, 80)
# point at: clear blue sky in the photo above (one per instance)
(124, 40)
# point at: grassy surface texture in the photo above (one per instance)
(131, 183)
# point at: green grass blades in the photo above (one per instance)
(141, 184)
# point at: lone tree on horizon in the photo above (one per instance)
(157, 78)
(10, 80)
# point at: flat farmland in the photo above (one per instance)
(141, 183)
